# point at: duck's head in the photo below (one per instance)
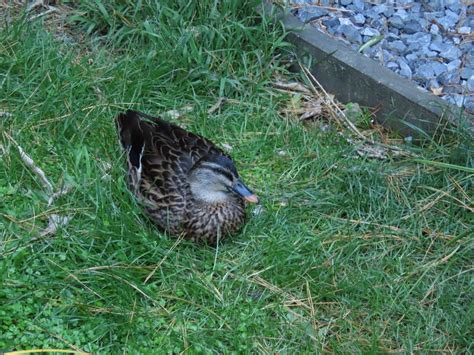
(214, 179)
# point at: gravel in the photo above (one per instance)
(470, 83)
(429, 42)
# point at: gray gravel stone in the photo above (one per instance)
(358, 5)
(438, 68)
(392, 37)
(449, 21)
(451, 52)
(453, 65)
(396, 46)
(372, 14)
(434, 29)
(396, 21)
(437, 45)
(466, 73)
(404, 69)
(453, 88)
(419, 39)
(469, 58)
(313, 13)
(425, 72)
(378, 9)
(331, 23)
(454, 6)
(412, 57)
(403, 14)
(415, 7)
(345, 21)
(431, 16)
(389, 11)
(371, 51)
(436, 4)
(470, 83)
(368, 31)
(346, 2)
(464, 30)
(449, 78)
(469, 104)
(379, 22)
(392, 65)
(394, 30)
(455, 99)
(350, 32)
(358, 19)
(425, 52)
(386, 56)
(412, 26)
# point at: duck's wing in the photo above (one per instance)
(170, 139)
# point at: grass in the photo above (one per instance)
(347, 255)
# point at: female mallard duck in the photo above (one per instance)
(188, 186)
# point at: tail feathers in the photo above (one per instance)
(132, 136)
(133, 133)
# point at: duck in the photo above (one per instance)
(187, 185)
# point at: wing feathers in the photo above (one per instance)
(162, 140)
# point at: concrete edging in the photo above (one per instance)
(352, 77)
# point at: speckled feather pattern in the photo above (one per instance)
(168, 154)
(207, 223)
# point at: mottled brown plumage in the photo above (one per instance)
(188, 186)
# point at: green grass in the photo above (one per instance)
(348, 255)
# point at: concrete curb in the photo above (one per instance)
(352, 77)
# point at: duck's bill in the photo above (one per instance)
(252, 198)
(245, 192)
